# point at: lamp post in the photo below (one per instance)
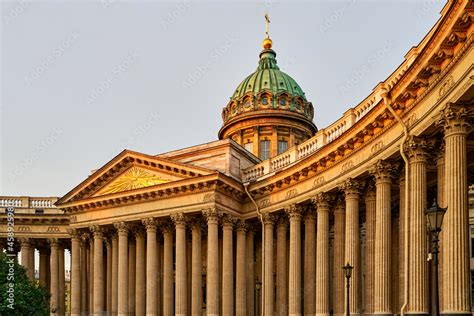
(434, 217)
(258, 286)
(348, 272)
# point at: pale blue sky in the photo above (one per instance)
(82, 80)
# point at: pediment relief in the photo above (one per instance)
(135, 178)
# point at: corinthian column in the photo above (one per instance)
(151, 266)
(114, 290)
(168, 293)
(322, 201)
(401, 240)
(84, 270)
(268, 283)
(382, 171)
(351, 190)
(455, 242)
(339, 237)
(281, 266)
(212, 215)
(132, 261)
(181, 268)
(417, 269)
(250, 257)
(54, 274)
(75, 273)
(196, 268)
(240, 271)
(108, 291)
(141, 279)
(122, 230)
(309, 283)
(294, 215)
(227, 266)
(25, 254)
(98, 270)
(370, 206)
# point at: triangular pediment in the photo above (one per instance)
(130, 171)
(135, 178)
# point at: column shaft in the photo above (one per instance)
(250, 257)
(99, 306)
(75, 274)
(370, 207)
(227, 267)
(61, 283)
(310, 249)
(268, 282)
(122, 229)
(322, 255)
(212, 262)
(108, 299)
(132, 251)
(240, 271)
(115, 280)
(181, 296)
(294, 300)
(196, 270)
(142, 278)
(339, 249)
(54, 276)
(168, 291)
(281, 266)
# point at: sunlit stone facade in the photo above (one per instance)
(214, 230)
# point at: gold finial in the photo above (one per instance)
(267, 42)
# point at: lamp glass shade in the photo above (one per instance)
(434, 216)
(348, 270)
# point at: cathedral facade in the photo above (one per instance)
(262, 221)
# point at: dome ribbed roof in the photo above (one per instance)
(268, 77)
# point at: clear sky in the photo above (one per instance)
(82, 80)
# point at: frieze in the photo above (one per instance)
(318, 182)
(378, 146)
(291, 193)
(264, 202)
(23, 229)
(347, 166)
(445, 86)
(52, 229)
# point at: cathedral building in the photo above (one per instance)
(262, 220)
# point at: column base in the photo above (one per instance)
(382, 314)
(457, 314)
(417, 314)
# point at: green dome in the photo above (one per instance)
(268, 77)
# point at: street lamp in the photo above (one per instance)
(348, 272)
(258, 286)
(434, 216)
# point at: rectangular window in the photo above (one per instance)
(249, 147)
(282, 146)
(264, 149)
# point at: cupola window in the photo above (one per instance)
(265, 100)
(282, 146)
(264, 149)
(282, 101)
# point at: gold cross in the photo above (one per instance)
(267, 23)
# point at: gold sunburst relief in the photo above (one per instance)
(133, 178)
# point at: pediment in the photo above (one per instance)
(130, 171)
(135, 178)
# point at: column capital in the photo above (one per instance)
(268, 218)
(282, 222)
(85, 238)
(241, 226)
(97, 231)
(294, 212)
(454, 118)
(228, 221)
(383, 170)
(150, 224)
(441, 153)
(196, 222)
(370, 193)
(340, 206)
(74, 233)
(418, 149)
(322, 201)
(212, 214)
(53, 242)
(24, 242)
(122, 227)
(166, 227)
(351, 188)
(179, 220)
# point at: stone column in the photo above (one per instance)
(108, 299)
(43, 263)
(25, 255)
(75, 272)
(122, 231)
(84, 272)
(151, 267)
(417, 270)
(240, 271)
(99, 306)
(281, 267)
(54, 266)
(310, 305)
(339, 250)
(61, 282)
(212, 215)
(132, 251)
(181, 266)
(90, 274)
(250, 257)
(294, 215)
(455, 242)
(370, 206)
(196, 268)
(115, 255)
(322, 202)
(142, 277)
(31, 262)
(227, 266)
(168, 291)
(382, 172)
(268, 282)
(351, 190)
(441, 199)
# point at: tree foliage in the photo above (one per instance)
(18, 295)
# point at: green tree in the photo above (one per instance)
(18, 295)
